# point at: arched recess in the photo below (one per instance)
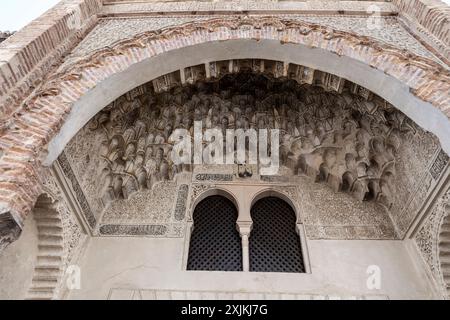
(216, 191)
(32, 267)
(269, 192)
(75, 93)
(49, 260)
(215, 244)
(274, 243)
(444, 249)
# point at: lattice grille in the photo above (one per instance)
(215, 243)
(274, 243)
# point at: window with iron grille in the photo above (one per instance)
(274, 242)
(215, 242)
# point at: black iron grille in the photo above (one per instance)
(274, 243)
(215, 242)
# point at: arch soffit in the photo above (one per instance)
(441, 245)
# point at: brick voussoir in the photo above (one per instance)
(35, 51)
(40, 123)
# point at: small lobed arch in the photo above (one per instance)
(269, 192)
(216, 191)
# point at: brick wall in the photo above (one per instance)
(38, 48)
(430, 20)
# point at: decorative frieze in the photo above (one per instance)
(171, 230)
(442, 160)
(133, 230)
(153, 206)
(275, 179)
(434, 244)
(180, 206)
(213, 177)
(68, 172)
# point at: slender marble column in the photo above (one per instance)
(245, 228)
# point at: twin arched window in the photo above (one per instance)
(274, 245)
(215, 242)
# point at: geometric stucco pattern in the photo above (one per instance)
(44, 113)
(112, 30)
(430, 241)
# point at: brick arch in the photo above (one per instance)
(444, 250)
(71, 96)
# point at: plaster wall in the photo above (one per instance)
(17, 263)
(338, 268)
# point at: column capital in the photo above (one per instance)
(244, 227)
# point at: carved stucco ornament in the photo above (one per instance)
(433, 86)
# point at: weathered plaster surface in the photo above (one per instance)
(338, 269)
(17, 263)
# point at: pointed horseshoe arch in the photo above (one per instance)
(444, 250)
(73, 95)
